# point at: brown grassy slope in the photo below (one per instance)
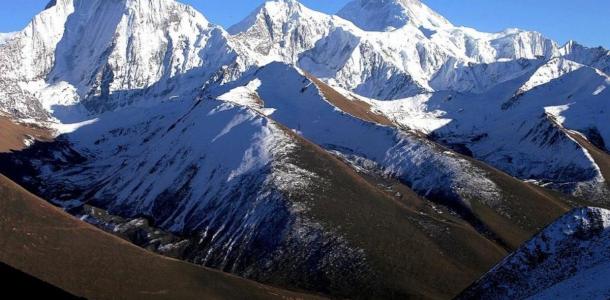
(601, 158)
(13, 134)
(415, 253)
(354, 107)
(526, 208)
(43, 241)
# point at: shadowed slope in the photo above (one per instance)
(414, 252)
(567, 260)
(18, 283)
(53, 246)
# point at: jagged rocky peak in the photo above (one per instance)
(387, 15)
(51, 4)
(597, 57)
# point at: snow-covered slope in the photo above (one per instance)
(570, 259)
(520, 126)
(552, 70)
(430, 170)
(382, 15)
(417, 50)
(300, 106)
(5, 36)
(108, 54)
(251, 197)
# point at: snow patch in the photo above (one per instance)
(69, 128)
(556, 112)
(4, 37)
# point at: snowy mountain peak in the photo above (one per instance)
(280, 30)
(280, 5)
(271, 12)
(387, 15)
(99, 53)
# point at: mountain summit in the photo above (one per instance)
(97, 54)
(387, 15)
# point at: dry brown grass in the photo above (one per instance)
(12, 134)
(43, 241)
(601, 158)
(354, 107)
(531, 207)
(416, 252)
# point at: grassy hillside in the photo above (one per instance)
(43, 241)
(14, 135)
(414, 251)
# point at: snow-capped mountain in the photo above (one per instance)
(303, 149)
(382, 15)
(567, 260)
(420, 51)
(598, 58)
(103, 55)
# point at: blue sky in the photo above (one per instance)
(585, 21)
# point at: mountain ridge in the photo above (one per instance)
(297, 144)
(562, 261)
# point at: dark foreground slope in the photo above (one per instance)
(16, 282)
(49, 244)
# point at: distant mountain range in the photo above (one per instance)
(381, 152)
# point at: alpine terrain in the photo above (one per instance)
(378, 153)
